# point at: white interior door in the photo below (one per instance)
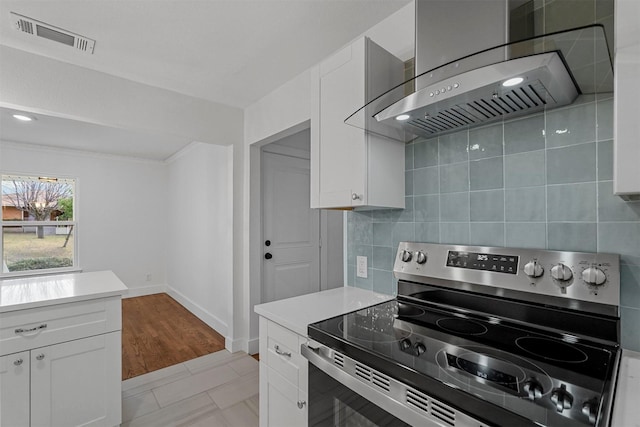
(291, 242)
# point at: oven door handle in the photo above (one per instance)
(392, 402)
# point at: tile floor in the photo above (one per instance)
(216, 390)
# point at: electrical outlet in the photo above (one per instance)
(361, 269)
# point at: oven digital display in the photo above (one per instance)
(484, 372)
(487, 262)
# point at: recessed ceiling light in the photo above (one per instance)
(512, 82)
(22, 117)
(403, 117)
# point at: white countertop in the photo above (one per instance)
(297, 312)
(626, 412)
(40, 291)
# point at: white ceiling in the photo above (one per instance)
(230, 52)
(76, 135)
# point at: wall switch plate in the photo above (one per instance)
(361, 269)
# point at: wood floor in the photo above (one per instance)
(157, 332)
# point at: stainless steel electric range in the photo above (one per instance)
(477, 336)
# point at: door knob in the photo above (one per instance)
(268, 256)
(267, 242)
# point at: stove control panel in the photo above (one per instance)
(483, 261)
(579, 280)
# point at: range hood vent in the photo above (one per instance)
(37, 28)
(554, 69)
(478, 96)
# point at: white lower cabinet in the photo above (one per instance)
(283, 377)
(69, 383)
(14, 389)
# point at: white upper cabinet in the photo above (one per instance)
(350, 168)
(627, 92)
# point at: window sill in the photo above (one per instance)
(35, 273)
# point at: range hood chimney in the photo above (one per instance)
(552, 70)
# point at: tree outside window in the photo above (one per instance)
(37, 224)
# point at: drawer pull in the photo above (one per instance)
(40, 356)
(18, 362)
(22, 330)
(282, 353)
(301, 404)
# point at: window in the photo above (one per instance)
(38, 225)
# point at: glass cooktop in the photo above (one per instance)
(507, 363)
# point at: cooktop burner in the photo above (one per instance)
(555, 350)
(461, 326)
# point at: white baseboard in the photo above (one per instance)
(198, 311)
(145, 290)
(253, 346)
(235, 345)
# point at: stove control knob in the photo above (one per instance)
(421, 257)
(590, 409)
(561, 398)
(533, 269)
(561, 272)
(419, 348)
(405, 344)
(405, 255)
(533, 388)
(594, 276)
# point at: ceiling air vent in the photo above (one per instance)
(40, 29)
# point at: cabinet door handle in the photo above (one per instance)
(40, 356)
(355, 196)
(18, 362)
(301, 404)
(22, 330)
(280, 352)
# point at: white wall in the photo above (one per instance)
(283, 112)
(199, 232)
(121, 207)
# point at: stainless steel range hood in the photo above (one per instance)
(552, 71)
(480, 95)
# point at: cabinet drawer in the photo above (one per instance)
(283, 360)
(283, 354)
(283, 336)
(37, 327)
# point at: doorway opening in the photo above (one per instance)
(295, 250)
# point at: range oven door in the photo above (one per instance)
(332, 404)
(338, 398)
